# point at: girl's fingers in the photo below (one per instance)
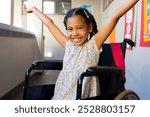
(26, 10)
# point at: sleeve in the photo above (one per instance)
(93, 45)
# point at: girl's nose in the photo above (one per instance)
(75, 32)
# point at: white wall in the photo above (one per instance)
(138, 65)
(35, 25)
(53, 50)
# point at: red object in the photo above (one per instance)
(118, 56)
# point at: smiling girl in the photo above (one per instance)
(82, 47)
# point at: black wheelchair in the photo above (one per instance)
(112, 82)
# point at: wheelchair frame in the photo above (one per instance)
(117, 90)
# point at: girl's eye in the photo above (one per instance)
(69, 29)
(80, 27)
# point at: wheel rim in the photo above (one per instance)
(127, 95)
(131, 97)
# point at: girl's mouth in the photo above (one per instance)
(78, 39)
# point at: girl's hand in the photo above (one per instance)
(27, 10)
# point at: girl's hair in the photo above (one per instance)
(89, 18)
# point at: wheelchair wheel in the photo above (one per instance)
(127, 95)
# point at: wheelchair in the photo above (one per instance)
(109, 73)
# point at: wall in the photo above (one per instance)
(138, 66)
(18, 48)
(53, 50)
(137, 60)
(35, 25)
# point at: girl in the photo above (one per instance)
(82, 47)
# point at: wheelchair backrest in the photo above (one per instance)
(111, 84)
(106, 56)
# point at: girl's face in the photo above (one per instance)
(78, 30)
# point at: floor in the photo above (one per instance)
(46, 77)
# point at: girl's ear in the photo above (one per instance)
(90, 27)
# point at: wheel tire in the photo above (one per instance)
(127, 95)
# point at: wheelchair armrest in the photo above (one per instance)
(104, 70)
(41, 65)
(95, 71)
(47, 65)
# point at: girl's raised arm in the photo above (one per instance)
(59, 36)
(103, 34)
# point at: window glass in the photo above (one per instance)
(56, 6)
(5, 12)
(49, 7)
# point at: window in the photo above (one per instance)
(106, 3)
(5, 12)
(56, 6)
(49, 7)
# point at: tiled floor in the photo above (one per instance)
(47, 77)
